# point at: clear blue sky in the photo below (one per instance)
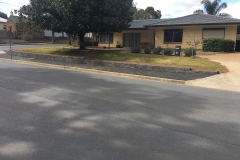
(169, 8)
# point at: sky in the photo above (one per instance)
(169, 8)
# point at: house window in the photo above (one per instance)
(173, 35)
(213, 33)
(4, 26)
(106, 38)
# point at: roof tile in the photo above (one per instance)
(198, 19)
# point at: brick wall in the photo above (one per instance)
(146, 36)
(19, 30)
(190, 33)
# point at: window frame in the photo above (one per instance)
(110, 35)
(172, 42)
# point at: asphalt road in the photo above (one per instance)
(7, 47)
(56, 114)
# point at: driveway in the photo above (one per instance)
(225, 81)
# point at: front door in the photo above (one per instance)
(131, 39)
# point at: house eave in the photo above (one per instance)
(199, 24)
(138, 29)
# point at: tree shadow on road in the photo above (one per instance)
(56, 114)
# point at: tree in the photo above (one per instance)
(199, 11)
(3, 15)
(81, 16)
(148, 13)
(213, 7)
(36, 15)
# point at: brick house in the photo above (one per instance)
(175, 31)
(19, 30)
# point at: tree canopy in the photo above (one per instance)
(78, 16)
(148, 13)
(3, 15)
(213, 7)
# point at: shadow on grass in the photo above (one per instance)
(116, 55)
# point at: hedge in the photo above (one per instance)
(136, 49)
(27, 37)
(218, 45)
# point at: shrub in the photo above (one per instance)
(218, 45)
(147, 50)
(27, 37)
(188, 52)
(136, 49)
(168, 51)
(157, 50)
(88, 43)
(144, 44)
(227, 45)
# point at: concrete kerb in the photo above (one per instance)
(97, 71)
(82, 60)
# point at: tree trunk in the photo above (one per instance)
(81, 42)
(69, 39)
(53, 37)
(108, 40)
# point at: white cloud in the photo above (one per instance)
(14, 2)
(177, 8)
(10, 5)
(169, 8)
(233, 9)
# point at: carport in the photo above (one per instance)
(238, 39)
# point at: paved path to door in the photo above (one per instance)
(226, 81)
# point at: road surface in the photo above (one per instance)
(55, 114)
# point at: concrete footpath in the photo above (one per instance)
(226, 81)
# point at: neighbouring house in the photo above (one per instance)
(18, 30)
(136, 34)
(3, 23)
(2, 27)
(48, 33)
(183, 31)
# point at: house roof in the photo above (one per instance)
(140, 24)
(2, 20)
(197, 19)
(15, 19)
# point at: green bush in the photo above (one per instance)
(27, 37)
(147, 50)
(88, 43)
(188, 52)
(168, 51)
(157, 50)
(136, 49)
(218, 45)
